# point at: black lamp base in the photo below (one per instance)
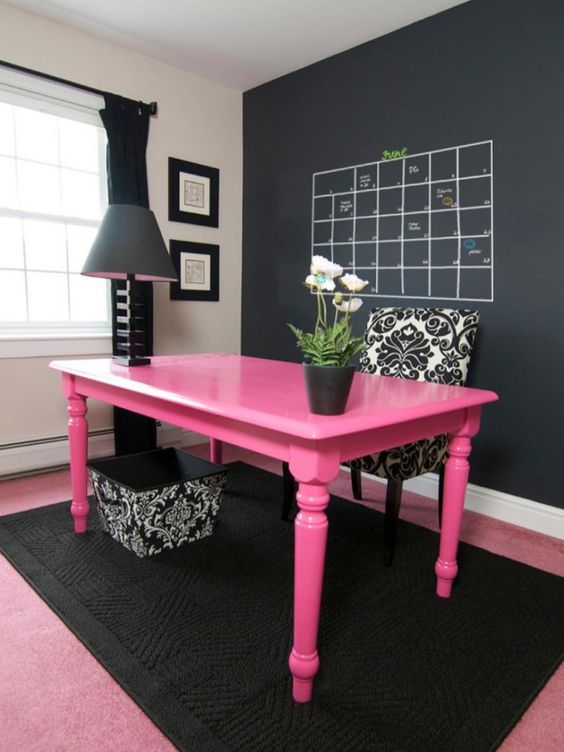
(126, 360)
(130, 349)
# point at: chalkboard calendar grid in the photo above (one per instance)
(418, 226)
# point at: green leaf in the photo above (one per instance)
(331, 346)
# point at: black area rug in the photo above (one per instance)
(200, 638)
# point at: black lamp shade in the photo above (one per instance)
(129, 244)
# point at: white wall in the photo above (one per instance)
(198, 120)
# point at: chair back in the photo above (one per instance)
(423, 344)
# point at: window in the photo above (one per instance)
(52, 198)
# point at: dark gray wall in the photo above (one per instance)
(488, 69)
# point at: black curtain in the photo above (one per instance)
(127, 128)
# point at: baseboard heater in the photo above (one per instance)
(31, 456)
(51, 452)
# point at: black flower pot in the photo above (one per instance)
(328, 388)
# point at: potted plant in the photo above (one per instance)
(330, 347)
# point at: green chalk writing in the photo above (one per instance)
(394, 153)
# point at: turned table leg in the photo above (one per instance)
(457, 469)
(310, 532)
(78, 444)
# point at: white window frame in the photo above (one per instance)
(35, 339)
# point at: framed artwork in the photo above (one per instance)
(197, 266)
(193, 193)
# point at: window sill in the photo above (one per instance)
(54, 345)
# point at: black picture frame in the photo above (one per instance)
(193, 193)
(197, 266)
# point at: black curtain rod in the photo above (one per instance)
(152, 105)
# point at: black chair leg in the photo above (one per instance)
(290, 488)
(356, 483)
(393, 503)
(441, 493)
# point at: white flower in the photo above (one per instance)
(347, 306)
(321, 265)
(319, 282)
(353, 283)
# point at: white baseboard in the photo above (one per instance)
(29, 456)
(541, 518)
(26, 457)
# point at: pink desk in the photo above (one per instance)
(261, 405)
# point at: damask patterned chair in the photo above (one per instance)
(423, 344)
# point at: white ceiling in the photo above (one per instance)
(239, 43)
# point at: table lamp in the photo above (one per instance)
(129, 246)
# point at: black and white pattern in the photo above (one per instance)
(422, 344)
(151, 521)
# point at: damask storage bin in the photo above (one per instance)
(154, 501)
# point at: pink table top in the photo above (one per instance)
(271, 393)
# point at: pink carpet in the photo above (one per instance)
(55, 697)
